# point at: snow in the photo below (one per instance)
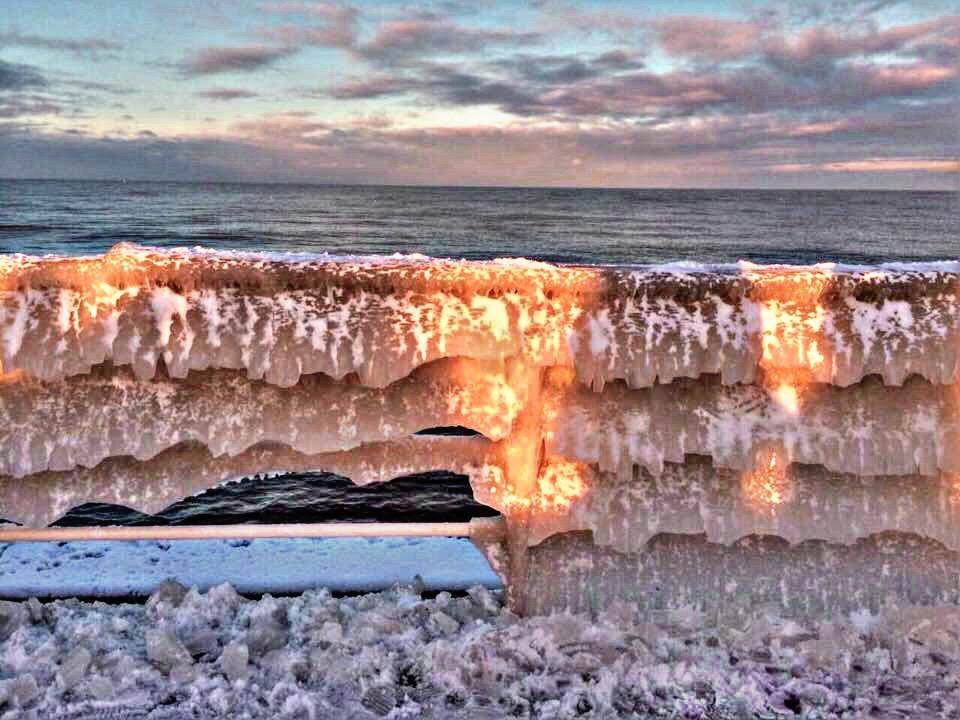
(395, 654)
(125, 568)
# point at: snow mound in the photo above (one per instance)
(395, 654)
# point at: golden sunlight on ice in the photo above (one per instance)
(767, 486)
(786, 397)
(792, 319)
(954, 481)
(560, 483)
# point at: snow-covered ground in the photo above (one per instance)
(186, 654)
(117, 569)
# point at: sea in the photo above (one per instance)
(582, 226)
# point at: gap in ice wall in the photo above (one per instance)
(814, 403)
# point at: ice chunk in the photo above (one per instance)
(12, 616)
(165, 651)
(812, 580)
(268, 627)
(625, 510)
(234, 661)
(74, 668)
(816, 403)
(168, 595)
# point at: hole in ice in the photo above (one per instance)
(449, 430)
(306, 498)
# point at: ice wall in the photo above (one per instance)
(279, 319)
(618, 407)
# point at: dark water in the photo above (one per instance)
(586, 226)
(598, 226)
(306, 497)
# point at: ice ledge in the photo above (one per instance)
(381, 317)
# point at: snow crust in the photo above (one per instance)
(397, 655)
(135, 568)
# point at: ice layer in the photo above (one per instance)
(626, 416)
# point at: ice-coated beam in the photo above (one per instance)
(279, 319)
(212, 532)
(865, 429)
(84, 420)
(729, 583)
(795, 502)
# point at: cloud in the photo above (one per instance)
(710, 38)
(811, 54)
(329, 10)
(226, 94)
(414, 35)
(339, 26)
(374, 86)
(28, 152)
(212, 60)
(872, 165)
(444, 85)
(24, 90)
(14, 76)
(323, 36)
(520, 84)
(19, 106)
(886, 149)
(568, 69)
(580, 89)
(109, 88)
(822, 45)
(558, 16)
(762, 99)
(424, 36)
(805, 12)
(727, 67)
(91, 47)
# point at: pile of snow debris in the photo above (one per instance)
(393, 654)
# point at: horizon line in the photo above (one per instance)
(316, 183)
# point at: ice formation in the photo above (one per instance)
(643, 431)
(214, 655)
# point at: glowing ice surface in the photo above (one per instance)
(812, 403)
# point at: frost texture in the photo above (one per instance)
(625, 513)
(397, 655)
(80, 422)
(711, 406)
(866, 429)
(280, 320)
(811, 580)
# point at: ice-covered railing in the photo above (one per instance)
(817, 404)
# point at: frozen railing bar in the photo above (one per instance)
(238, 532)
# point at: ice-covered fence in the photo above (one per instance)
(644, 432)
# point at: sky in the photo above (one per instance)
(608, 93)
